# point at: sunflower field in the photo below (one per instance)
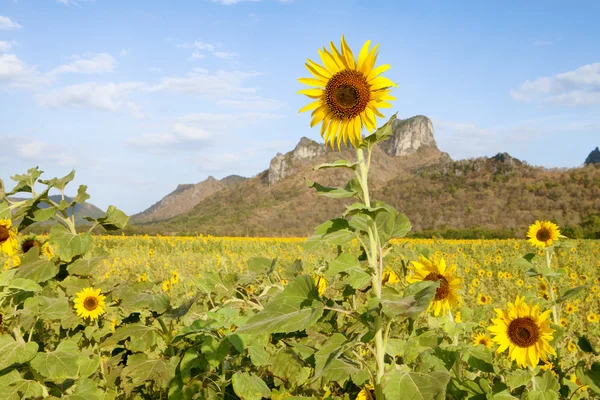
(353, 312)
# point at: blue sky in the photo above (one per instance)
(139, 96)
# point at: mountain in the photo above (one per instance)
(593, 157)
(485, 196)
(184, 198)
(81, 210)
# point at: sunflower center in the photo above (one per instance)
(90, 303)
(28, 244)
(4, 234)
(444, 290)
(347, 94)
(543, 235)
(523, 332)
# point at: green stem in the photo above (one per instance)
(169, 336)
(376, 268)
(551, 289)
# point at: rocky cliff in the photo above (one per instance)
(409, 136)
(184, 198)
(594, 157)
(283, 165)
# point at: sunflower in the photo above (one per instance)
(366, 393)
(524, 331)
(47, 251)
(483, 299)
(446, 295)
(30, 242)
(562, 322)
(174, 277)
(320, 283)
(593, 318)
(520, 282)
(483, 339)
(166, 286)
(9, 244)
(90, 303)
(572, 347)
(347, 93)
(390, 276)
(543, 233)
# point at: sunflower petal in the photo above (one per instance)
(310, 106)
(312, 93)
(329, 62)
(377, 71)
(313, 82)
(347, 53)
(362, 56)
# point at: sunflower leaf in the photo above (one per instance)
(419, 297)
(570, 293)
(415, 385)
(333, 193)
(14, 352)
(381, 134)
(337, 164)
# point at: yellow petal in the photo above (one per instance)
(382, 82)
(384, 105)
(347, 53)
(310, 106)
(313, 82)
(312, 93)
(362, 56)
(317, 72)
(377, 71)
(329, 62)
(337, 56)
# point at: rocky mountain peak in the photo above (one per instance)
(409, 135)
(282, 165)
(593, 157)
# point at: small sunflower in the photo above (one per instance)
(483, 299)
(483, 339)
(543, 233)
(446, 295)
(593, 318)
(166, 286)
(572, 347)
(348, 93)
(30, 242)
(113, 325)
(571, 308)
(520, 282)
(90, 303)
(320, 283)
(524, 331)
(47, 251)
(143, 277)
(366, 393)
(174, 277)
(390, 276)
(9, 244)
(562, 322)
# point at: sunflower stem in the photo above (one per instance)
(551, 289)
(375, 264)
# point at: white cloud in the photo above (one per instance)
(5, 46)
(197, 55)
(181, 136)
(272, 147)
(15, 73)
(106, 97)
(92, 64)
(224, 55)
(198, 45)
(124, 52)
(7, 24)
(32, 150)
(221, 84)
(230, 2)
(573, 88)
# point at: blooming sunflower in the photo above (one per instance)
(366, 393)
(47, 251)
(446, 295)
(483, 339)
(9, 244)
(524, 331)
(30, 242)
(593, 318)
(543, 233)
(90, 303)
(348, 93)
(390, 276)
(320, 283)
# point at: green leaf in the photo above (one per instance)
(154, 302)
(59, 183)
(570, 293)
(85, 266)
(260, 266)
(114, 219)
(415, 385)
(585, 345)
(328, 352)
(25, 284)
(60, 364)
(85, 389)
(360, 208)
(542, 395)
(288, 367)
(48, 308)
(68, 245)
(250, 387)
(43, 214)
(259, 355)
(381, 134)
(333, 193)
(21, 389)
(419, 297)
(82, 195)
(14, 352)
(348, 265)
(589, 377)
(390, 223)
(141, 369)
(481, 359)
(335, 231)
(143, 337)
(294, 309)
(518, 378)
(337, 164)
(36, 269)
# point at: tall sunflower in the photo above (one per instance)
(446, 295)
(90, 303)
(348, 93)
(543, 233)
(525, 331)
(9, 244)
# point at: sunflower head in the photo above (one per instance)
(9, 244)
(543, 233)
(482, 339)
(89, 303)
(446, 295)
(347, 93)
(47, 251)
(525, 331)
(30, 242)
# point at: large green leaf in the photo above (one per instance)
(14, 352)
(416, 385)
(141, 370)
(85, 266)
(48, 308)
(114, 219)
(260, 265)
(85, 389)
(419, 297)
(36, 269)
(142, 337)
(331, 192)
(336, 231)
(294, 309)
(25, 284)
(348, 265)
(60, 364)
(381, 134)
(337, 164)
(21, 389)
(250, 387)
(68, 245)
(154, 302)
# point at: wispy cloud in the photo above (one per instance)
(251, 103)
(32, 150)
(578, 87)
(180, 137)
(91, 64)
(96, 96)
(17, 74)
(124, 52)
(5, 46)
(7, 24)
(221, 84)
